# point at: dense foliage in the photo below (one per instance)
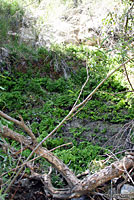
(43, 97)
(42, 86)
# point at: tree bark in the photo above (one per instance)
(75, 187)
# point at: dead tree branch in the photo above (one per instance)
(75, 187)
(21, 124)
(83, 102)
(56, 163)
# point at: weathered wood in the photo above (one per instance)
(49, 156)
(75, 187)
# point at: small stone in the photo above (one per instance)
(127, 189)
(80, 198)
(25, 182)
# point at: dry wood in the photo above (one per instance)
(75, 187)
(19, 123)
(74, 109)
(56, 163)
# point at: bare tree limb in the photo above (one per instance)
(82, 87)
(21, 124)
(75, 187)
(116, 92)
(63, 145)
(128, 78)
(59, 165)
(56, 163)
(74, 108)
(108, 173)
(83, 102)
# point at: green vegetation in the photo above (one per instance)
(42, 86)
(9, 21)
(43, 101)
(79, 156)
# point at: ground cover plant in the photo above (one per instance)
(43, 102)
(41, 87)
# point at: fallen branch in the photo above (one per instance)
(56, 163)
(75, 187)
(83, 102)
(21, 124)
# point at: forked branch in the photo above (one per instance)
(21, 124)
(75, 187)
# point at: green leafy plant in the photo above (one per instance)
(78, 157)
(2, 196)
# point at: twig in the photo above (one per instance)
(75, 187)
(128, 173)
(125, 26)
(87, 172)
(21, 124)
(116, 92)
(61, 146)
(82, 87)
(25, 163)
(67, 116)
(78, 110)
(128, 78)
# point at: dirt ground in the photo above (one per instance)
(27, 189)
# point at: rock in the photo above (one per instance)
(127, 189)
(25, 182)
(80, 198)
